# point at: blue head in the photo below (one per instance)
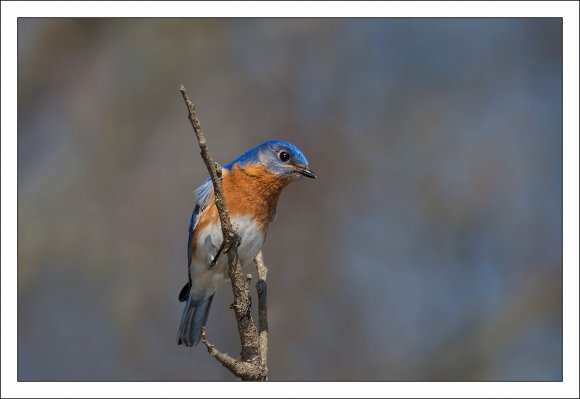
(279, 157)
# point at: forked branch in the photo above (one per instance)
(252, 363)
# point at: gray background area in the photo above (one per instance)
(430, 247)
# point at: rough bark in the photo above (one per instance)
(251, 365)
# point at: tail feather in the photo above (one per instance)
(193, 319)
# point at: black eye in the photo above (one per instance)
(284, 156)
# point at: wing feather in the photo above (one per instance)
(202, 195)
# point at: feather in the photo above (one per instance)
(202, 196)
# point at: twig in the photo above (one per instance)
(262, 289)
(252, 363)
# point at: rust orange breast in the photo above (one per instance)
(250, 190)
(253, 190)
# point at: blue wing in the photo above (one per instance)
(202, 195)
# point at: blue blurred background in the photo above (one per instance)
(430, 247)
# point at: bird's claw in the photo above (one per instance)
(216, 257)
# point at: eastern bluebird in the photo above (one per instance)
(252, 184)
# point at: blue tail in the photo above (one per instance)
(193, 319)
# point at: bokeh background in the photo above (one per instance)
(430, 247)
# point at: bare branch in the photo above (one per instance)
(262, 289)
(226, 360)
(243, 370)
(214, 170)
(252, 365)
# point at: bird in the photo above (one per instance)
(252, 184)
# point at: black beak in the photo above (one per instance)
(308, 173)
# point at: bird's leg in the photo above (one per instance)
(219, 252)
(217, 255)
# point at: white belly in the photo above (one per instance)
(205, 280)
